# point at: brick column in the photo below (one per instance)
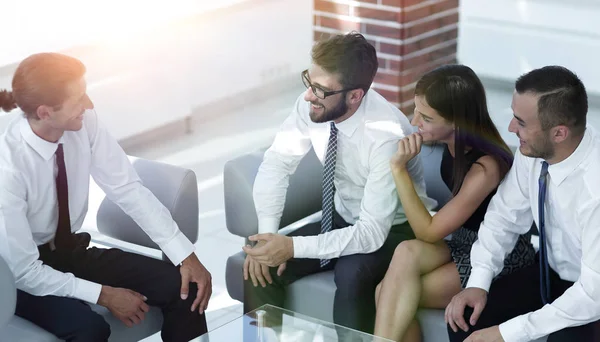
(411, 38)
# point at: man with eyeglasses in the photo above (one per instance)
(354, 132)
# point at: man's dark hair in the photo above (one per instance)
(350, 56)
(562, 97)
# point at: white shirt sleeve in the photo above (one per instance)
(114, 174)
(291, 144)
(580, 304)
(508, 216)
(19, 250)
(377, 211)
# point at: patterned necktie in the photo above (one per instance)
(64, 238)
(328, 186)
(544, 268)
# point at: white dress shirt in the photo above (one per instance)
(29, 207)
(572, 225)
(365, 194)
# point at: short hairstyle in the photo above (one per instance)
(350, 56)
(562, 97)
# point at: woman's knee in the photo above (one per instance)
(406, 255)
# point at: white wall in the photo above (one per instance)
(505, 38)
(143, 81)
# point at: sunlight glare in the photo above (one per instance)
(523, 9)
(41, 25)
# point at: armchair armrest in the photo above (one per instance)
(8, 293)
(175, 187)
(303, 198)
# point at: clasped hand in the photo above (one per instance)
(270, 250)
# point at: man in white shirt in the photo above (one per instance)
(354, 131)
(554, 182)
(46, 158)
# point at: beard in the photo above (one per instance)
(340, 109)
(542, 147)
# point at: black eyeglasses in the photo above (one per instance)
(318, 91)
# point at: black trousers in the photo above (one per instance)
(73, 320)
(356, 277)
(519, 293)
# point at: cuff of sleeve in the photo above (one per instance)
(178, 248)
(268, 225)
(514, 330)
(87, 290)
(306, 246)
(481, 278)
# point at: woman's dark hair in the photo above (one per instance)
(457, 94)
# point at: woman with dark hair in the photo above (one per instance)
(450, 108)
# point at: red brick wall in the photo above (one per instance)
(411, 37)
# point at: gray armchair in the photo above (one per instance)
(312, 295)
(8, 294)
(177, 190)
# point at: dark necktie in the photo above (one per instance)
(544, 267)
(328, 186)
(64, 238)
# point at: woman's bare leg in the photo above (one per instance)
(401, 288)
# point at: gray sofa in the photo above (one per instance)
(312, 295)
(177, 189)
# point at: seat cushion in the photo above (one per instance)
(313, 296)
(19, 329)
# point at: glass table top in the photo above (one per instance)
(272, 324)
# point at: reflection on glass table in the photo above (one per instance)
(272, 324)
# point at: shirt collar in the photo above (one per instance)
(44, 148)
(349, 126)
(559, 171)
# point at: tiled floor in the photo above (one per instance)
(215, 141)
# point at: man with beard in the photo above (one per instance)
(554, 182)
(354, 132)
